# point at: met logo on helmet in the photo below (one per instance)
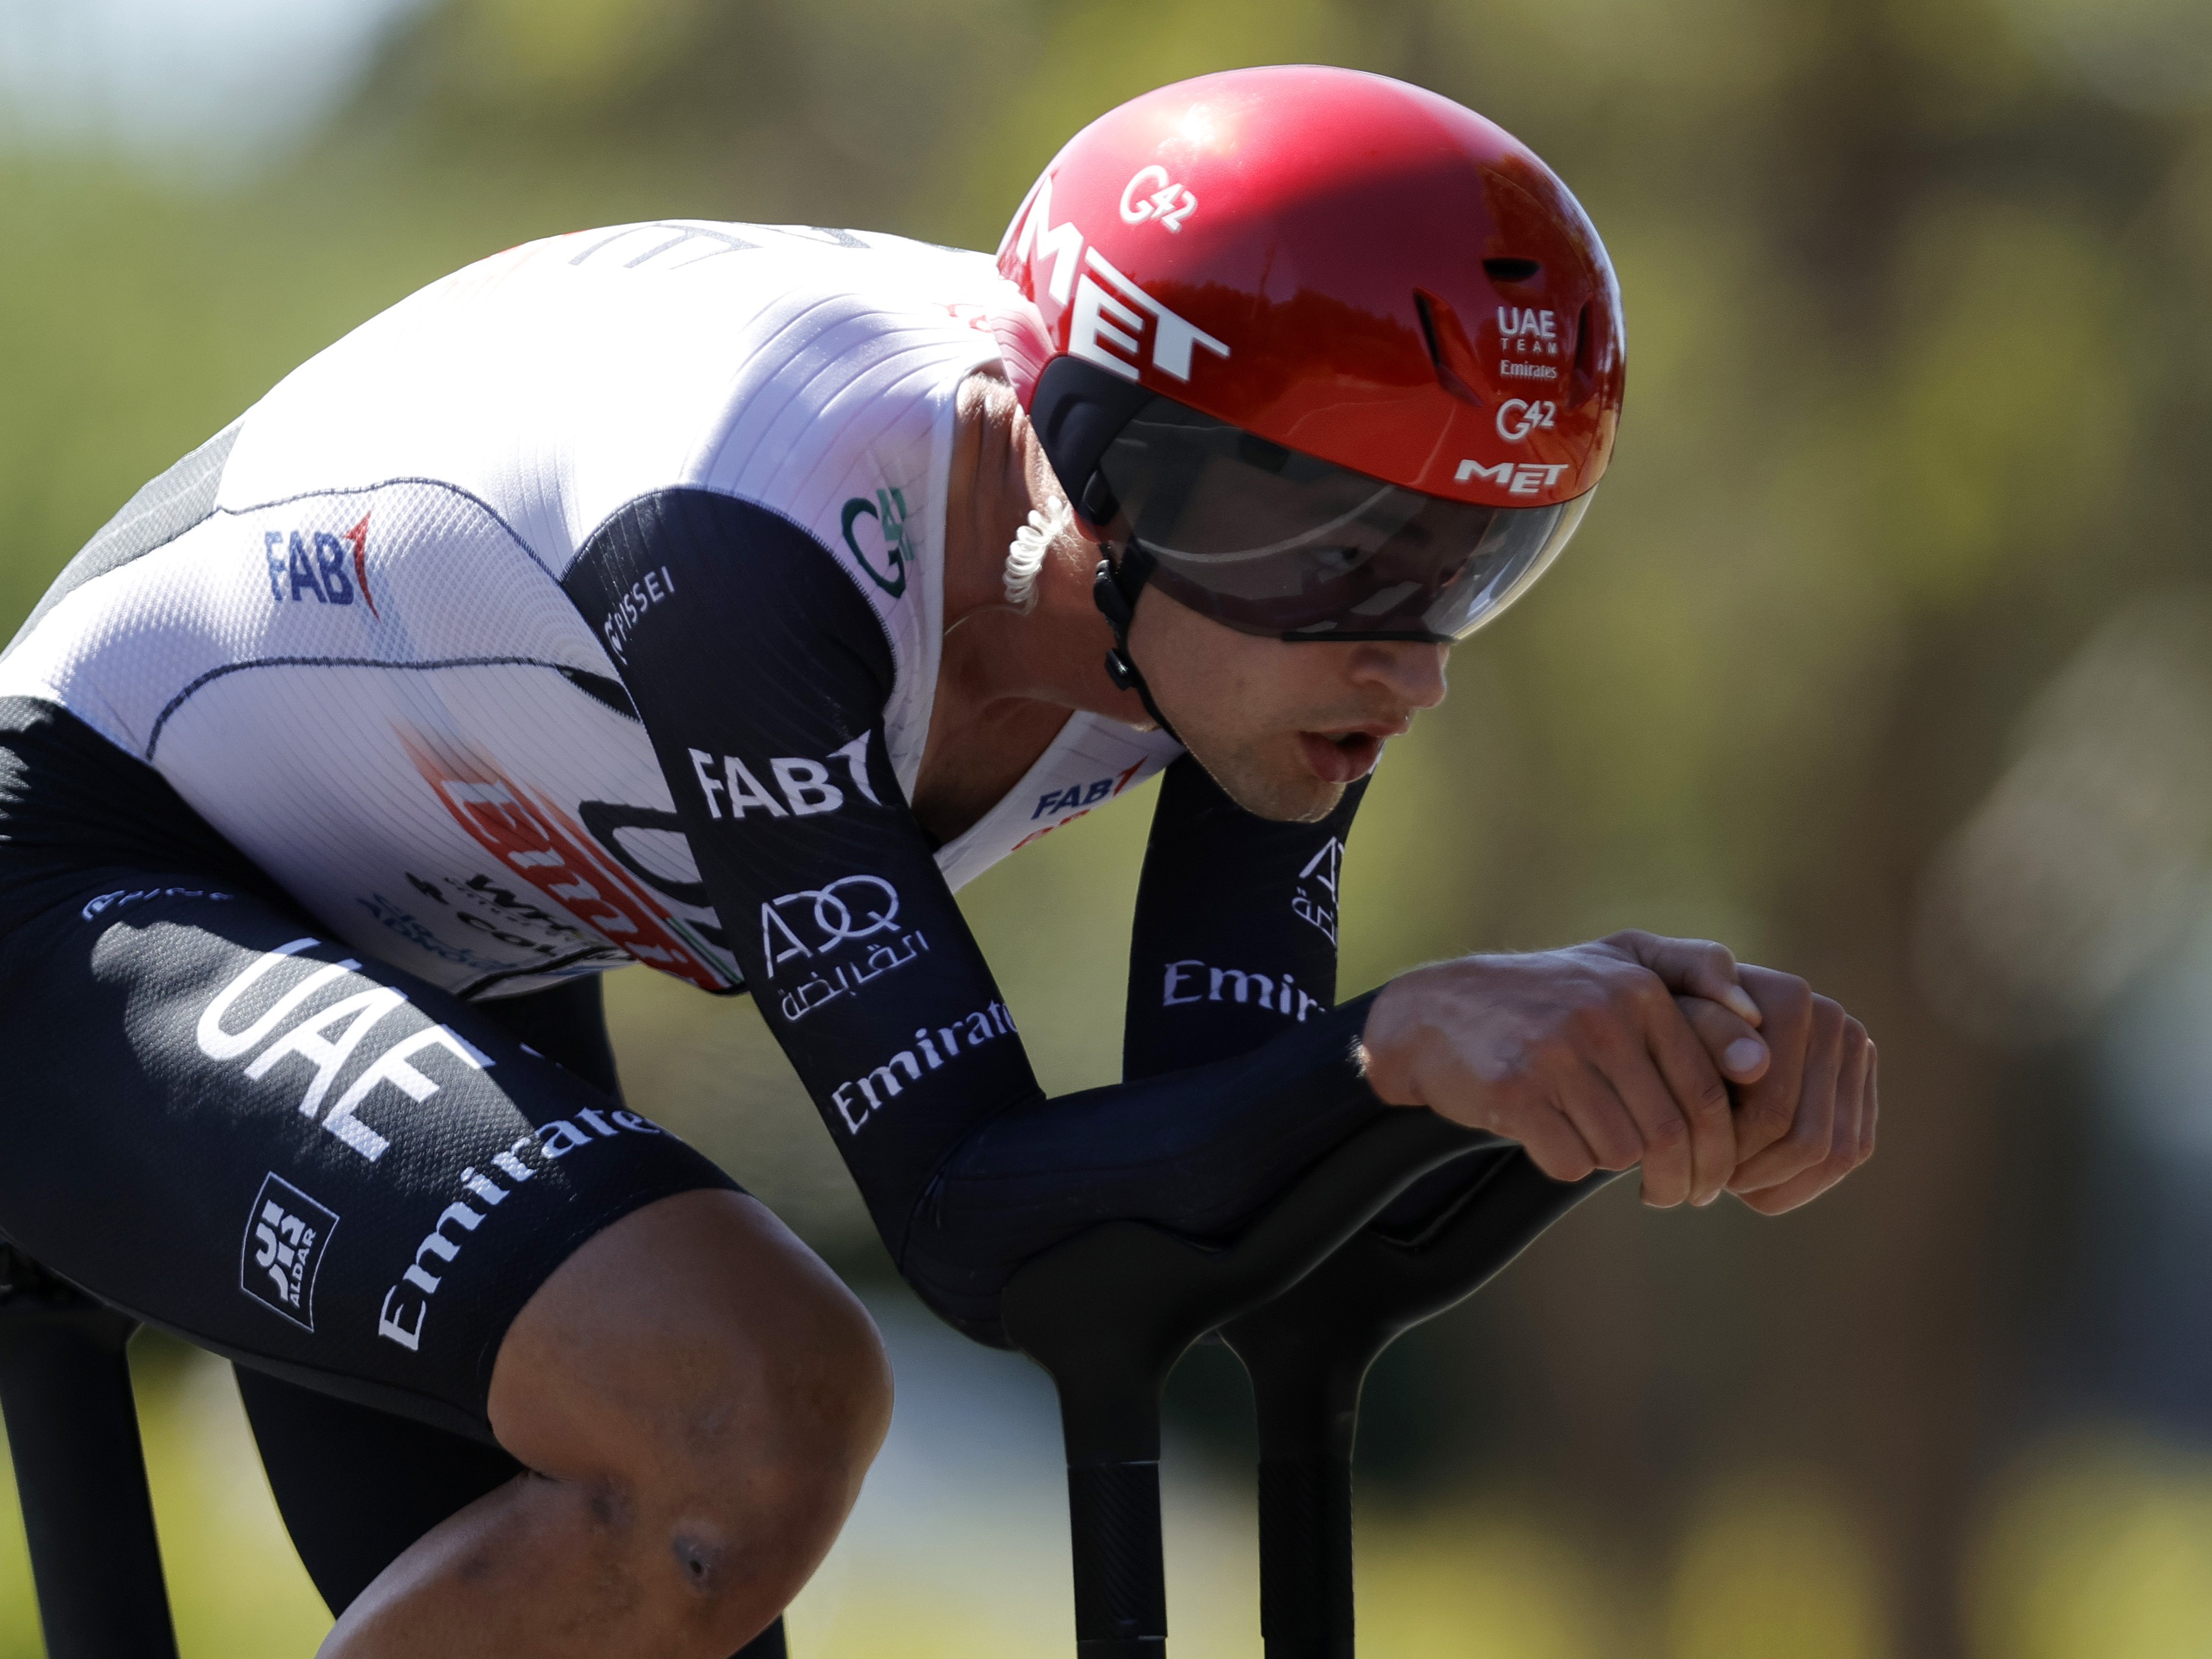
(1110, 311)
(1520, 477)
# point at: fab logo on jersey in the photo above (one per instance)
(315, 564)
(1076, 800)
(808, 786)
(888, 550)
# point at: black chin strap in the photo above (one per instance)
(1115, 589)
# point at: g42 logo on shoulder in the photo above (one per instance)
(887, 567)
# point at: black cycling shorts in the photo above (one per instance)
(230, 1126)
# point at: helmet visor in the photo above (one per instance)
(1271, 541)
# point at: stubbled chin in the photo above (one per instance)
(1339, 763)
(1281, 793)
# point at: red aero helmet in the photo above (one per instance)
(1395, 298)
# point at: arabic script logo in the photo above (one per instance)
(821, 921)
(1313, 896)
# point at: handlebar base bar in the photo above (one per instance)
(79, 1469)
(1309, 1352)
(1109, 1312)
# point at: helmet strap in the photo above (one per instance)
(1114, 589)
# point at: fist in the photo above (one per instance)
(1809, 1120)
(1638, 1050)
(1584, 1056)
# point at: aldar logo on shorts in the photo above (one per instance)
(286, 1233)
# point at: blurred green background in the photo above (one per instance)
(1885, 656)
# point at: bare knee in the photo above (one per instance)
(713, 1396)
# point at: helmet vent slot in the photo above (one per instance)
(1582, 380)
(1450, 349)
(1511, 270)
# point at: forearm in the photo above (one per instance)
(1199, 1153)
(1234, 933)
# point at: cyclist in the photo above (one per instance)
(721, 597)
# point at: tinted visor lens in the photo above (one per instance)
(1270, 541)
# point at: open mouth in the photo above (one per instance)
(1341, 756)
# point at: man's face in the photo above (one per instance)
(1282, 727)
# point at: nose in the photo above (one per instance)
(1412, 671)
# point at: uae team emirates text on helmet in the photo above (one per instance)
(1324, 356)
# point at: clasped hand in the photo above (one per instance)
(1638, 1050)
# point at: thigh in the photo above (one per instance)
(357, 1485)
(319, 1167)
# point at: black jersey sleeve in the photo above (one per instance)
(761, 673)
(1234, 940)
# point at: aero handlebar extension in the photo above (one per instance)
(1108, 1312)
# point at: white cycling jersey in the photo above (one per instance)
(339, 629)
